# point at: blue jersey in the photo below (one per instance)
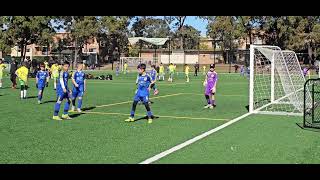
(143, 82)
(153, 74)
(62, 82)
(42, 78)
(79, 77)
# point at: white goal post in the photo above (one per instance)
(276, 82)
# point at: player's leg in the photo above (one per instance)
(136, 99)
(57, 108)
(80, 97)
(207, 94)
(147, 106)
(73, 99)
(1, 80)
(66, 107)
(54, 82)
(40, 91)
(213, 102)
(21, 91)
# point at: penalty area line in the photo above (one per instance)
(193, 140)
(173, 117)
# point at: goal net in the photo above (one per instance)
(276, 82)
(133, 62)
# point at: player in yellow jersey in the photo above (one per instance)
(55, 74)
(204, 70)
(186, 71)
(22, 74)
(161, 72)
(171, 72)
(2, 67)
(46, 65)
(125, 68)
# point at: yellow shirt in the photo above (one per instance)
(55, 70)
(2, 67)
(204, 68)
(22, 73)
(125, 66)
(161, 69)
(171, 68)
(187, 70)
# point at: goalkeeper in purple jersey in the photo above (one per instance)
(210, 84)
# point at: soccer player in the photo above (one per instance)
(22, 74)
(186, 71)
(55, 74)
(171, 72)
(79, 87)
(117, 69)
(125, 67)
(2, 67)
(42, 81)
(153, 75)
(204, 70)
(161, 72)
(63, 92)
(306, 71)
(142, 93)
(210, 84)
(46, 65)
(242, 70)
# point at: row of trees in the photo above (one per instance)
(299, 33)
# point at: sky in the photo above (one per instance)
(197, 23)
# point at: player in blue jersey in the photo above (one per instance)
(144, 82)
(79, 87)
(153, 74)
(42, 80)
(63, 92)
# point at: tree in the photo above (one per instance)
(25, 30)
(178, 23)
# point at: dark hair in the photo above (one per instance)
(66, 62)
(42, 64)
(212, 66)
(142, 66)
(153, 66)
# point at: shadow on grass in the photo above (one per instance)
(32, 97)
(75, 115)
(88, 108)
(52, 101)
(146, 117)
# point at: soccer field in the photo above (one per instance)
(100, 135)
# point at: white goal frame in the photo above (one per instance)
(294, 97)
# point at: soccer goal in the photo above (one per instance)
(133, 62)
(276, 82)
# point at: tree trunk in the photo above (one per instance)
(181, 42)
(309, 53)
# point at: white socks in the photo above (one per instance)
(23, 94)
(0, 84)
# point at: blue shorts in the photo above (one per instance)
(77, 92)
(143, 98)
(41, 87)
(62, 95)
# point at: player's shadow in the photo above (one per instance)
(88, 108)
(5, 88)
(247, 107)
(146, 117)
(52, 101)
(75, 115)
(32, 97)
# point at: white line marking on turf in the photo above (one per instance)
(107, 105)
(174, 117)
(186, 143)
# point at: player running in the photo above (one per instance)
(125, 68)
(2, 67)
(42, 81)
(22, 74)
(118, 69)
(210, 84)
(79, 87)
(63, 92)
(204, 70)
(153, 75)
(144, 82)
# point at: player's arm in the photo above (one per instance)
(62, 82)
(137, 79)
(37, 79)
(47, 80)
(73, 80)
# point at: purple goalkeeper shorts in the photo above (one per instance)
(208, 91)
